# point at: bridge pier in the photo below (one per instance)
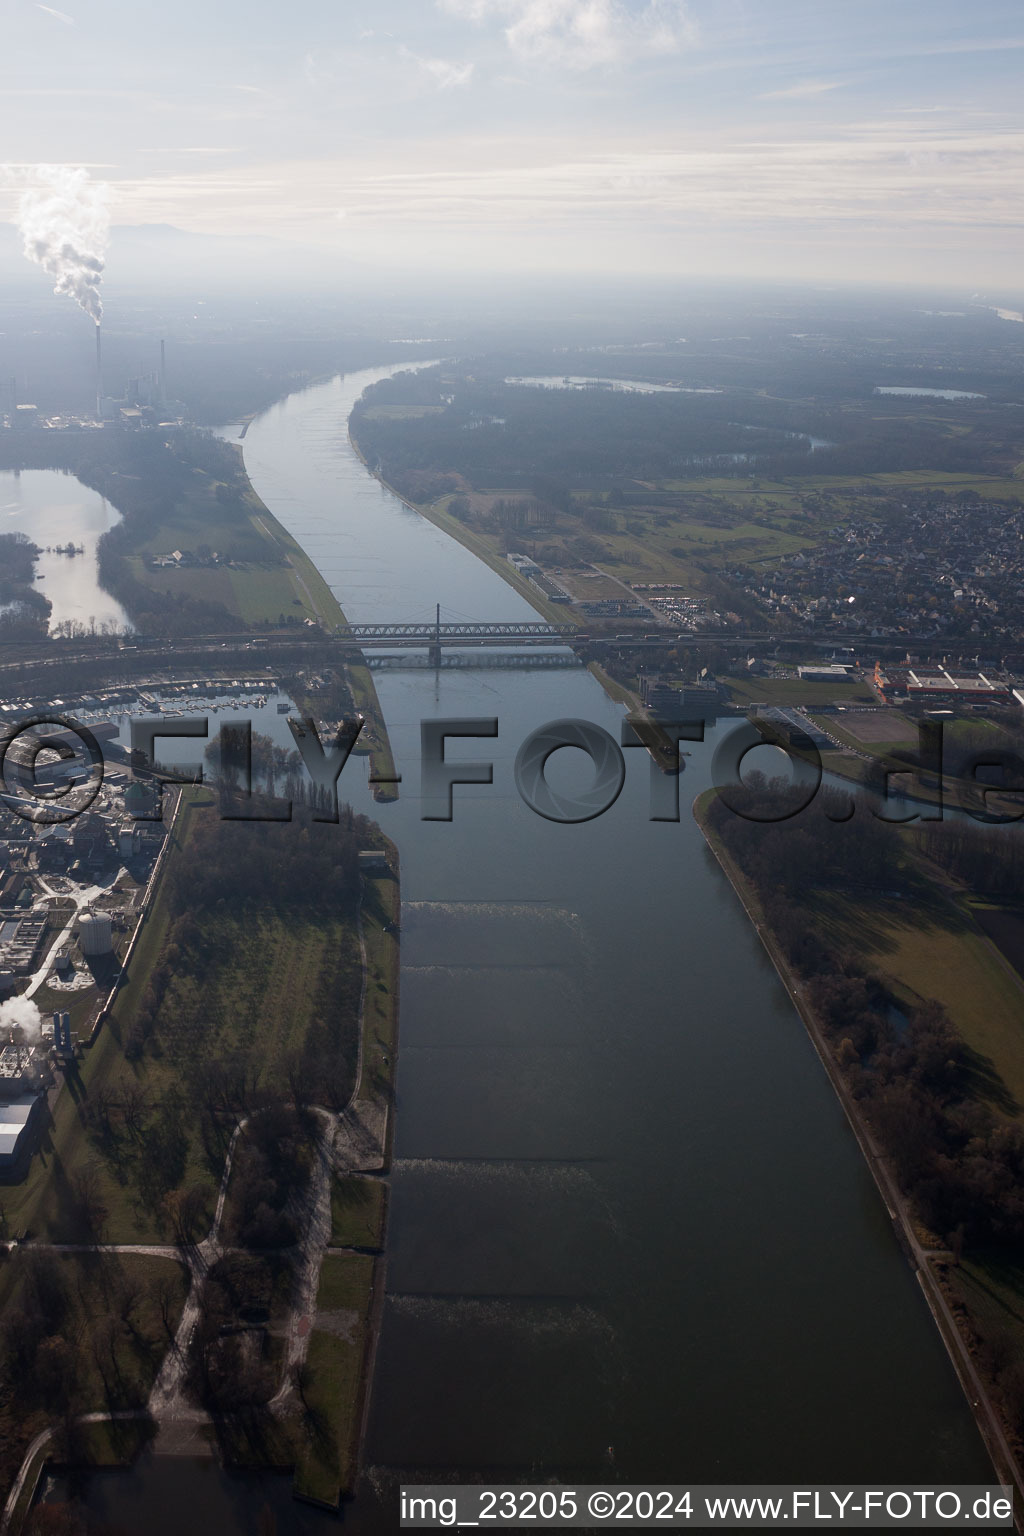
(434, 653)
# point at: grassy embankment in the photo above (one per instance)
(351, 1284)
(43, 1204)
(337, 1357)
(928, 942)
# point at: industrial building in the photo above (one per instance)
(20, 941)
(523, 564)
(21, 1069)
(825, 672)
(975, 689)
(793, 727)
(18, 1118)
(674, 700)
(373, 861)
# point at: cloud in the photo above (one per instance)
(69, 21)
(907, 198)
(797, 92)
(974, 45)
(195, 149)
(581, 34)
(444, 73)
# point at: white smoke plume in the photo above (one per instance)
(23, 1012)
(64, 220)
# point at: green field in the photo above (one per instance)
(717, 523)
(786, 493)
(936, 950)
(45, 1203)
(794, 690)
(136, 1124)
(336, 1371)
(358, 1211)
(277, 579)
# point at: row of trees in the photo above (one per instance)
(24, 611)
(988, 859)
(79, 1334)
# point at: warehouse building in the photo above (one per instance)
(822, 672)
(979, 688)
(19, 1119)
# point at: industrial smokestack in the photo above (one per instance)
(163, 375)
(99, 374)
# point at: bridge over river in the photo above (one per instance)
(434, 637)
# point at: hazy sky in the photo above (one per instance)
(867, 138)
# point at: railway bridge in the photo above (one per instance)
(434, 637)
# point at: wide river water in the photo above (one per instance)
(631, 1235)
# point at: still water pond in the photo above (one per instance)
(54, 509)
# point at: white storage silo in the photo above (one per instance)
(95, 934)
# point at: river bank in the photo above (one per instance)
(533, 1087)
(922, 1249)
(479, 547)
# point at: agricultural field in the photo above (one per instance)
(269, 577)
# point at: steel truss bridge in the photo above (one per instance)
(434, 637)
(507, 661)
(377, 635)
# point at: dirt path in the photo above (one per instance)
(350, 1141)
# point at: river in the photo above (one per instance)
(631, 1234)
